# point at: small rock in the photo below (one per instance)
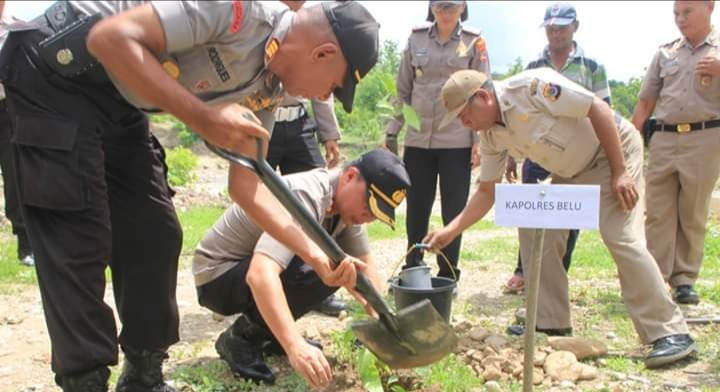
(493, 360)
(478, 356)
(462, 326)
(583, 348)
(567, 384)
(492, 373)
(588, 373)
(538, 376)
(611, 336)
(497, 342)
(343, 315)
(492, 386)
(517, 369)
(479, 334)
(539, 358)
(562, 365)
(312, 332)
(520, 315)
(469, 353)
(488, 351)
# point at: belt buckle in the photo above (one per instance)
(683, 128)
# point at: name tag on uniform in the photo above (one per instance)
(547, 206)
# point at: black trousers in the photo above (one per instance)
(293, 147)
(230, 294)
(93, 185)
(531, 173)
(10, 189)
(452, 166)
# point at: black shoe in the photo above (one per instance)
(687, 295)
(241, 347)
(273, 347)
(670, 349)
(142, 372)
(94, 381)
(331, 306)
(519, 330)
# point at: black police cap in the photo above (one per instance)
(387, 183)
(357, 33)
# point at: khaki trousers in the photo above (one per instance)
(652, 310)
(682, 173)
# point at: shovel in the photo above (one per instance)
(416, 336)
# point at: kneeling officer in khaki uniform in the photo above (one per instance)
(541, 115)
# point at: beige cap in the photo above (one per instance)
(457, 91)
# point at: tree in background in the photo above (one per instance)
(625, 96)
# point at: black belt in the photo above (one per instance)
(686, 127)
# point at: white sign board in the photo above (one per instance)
(547, 206)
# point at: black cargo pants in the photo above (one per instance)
(293, 146)
(12, 205)
(93, 186)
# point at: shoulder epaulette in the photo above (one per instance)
(671, 43)
(471, 31)
(423, 27)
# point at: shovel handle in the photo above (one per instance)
(307, 221)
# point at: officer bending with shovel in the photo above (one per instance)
(541, 115)
(240, 269)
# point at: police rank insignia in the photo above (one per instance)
(462, 49)
(551, 92)
(533, 87)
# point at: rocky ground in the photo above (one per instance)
(481, 314)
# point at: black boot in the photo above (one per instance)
(93, 381)
(241, 347)
(142, 372)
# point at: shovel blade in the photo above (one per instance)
(422, 337)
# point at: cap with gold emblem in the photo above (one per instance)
(457, 91)
(387, 183)
(357, 34)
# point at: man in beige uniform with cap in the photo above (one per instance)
(541, 115)
(682, 86)
(293, 149)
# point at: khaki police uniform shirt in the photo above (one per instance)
(215, 49)
(682, 95)
(425, 66)
(235, 237)
(545, 119)
(323, 113)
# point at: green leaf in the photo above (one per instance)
(412, 119)
(369, 373)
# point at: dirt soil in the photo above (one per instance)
(25, 346)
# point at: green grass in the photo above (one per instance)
(196, 221)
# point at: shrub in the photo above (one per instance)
(181, 164)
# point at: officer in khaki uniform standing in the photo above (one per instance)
(433, 52)
(541, 115)
(92, 178)
(682, 86)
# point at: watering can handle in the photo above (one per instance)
(302, 215)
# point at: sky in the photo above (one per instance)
(621, 35)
